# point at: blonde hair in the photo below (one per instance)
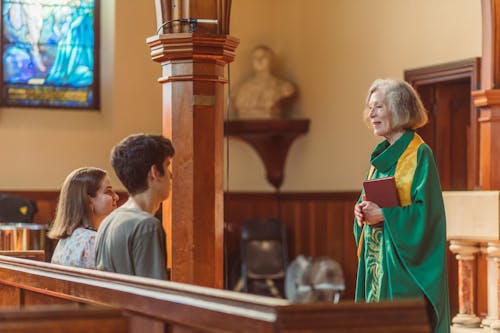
(406, 108)
(73, 208)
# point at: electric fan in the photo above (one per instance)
(314, 280)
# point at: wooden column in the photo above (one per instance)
(487, 99)
(465, 251)
(193, 69)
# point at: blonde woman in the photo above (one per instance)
(86, 198)
(402, 249)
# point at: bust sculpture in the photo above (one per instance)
(260, 96)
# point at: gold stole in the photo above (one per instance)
(405, 170)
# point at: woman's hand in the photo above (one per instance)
(371, 212)
(358, 213)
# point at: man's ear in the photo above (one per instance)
(154, 173)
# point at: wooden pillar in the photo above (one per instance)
(493, 251)
(487, 99)
(193, 69)
(466, 251)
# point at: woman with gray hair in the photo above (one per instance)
(402, 248)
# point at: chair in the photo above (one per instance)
(14, 208)
(264, 256)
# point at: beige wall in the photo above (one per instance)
(38, 147)
(333, 50)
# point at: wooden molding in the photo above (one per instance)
(486, 98)
(467, 68)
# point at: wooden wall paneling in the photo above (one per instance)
(350, 260)
(320, 234)
(265, 208)
(46, 202)
(318, 225)
(290, 215)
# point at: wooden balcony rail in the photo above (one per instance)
(187, 308)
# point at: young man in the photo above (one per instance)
(131, 240)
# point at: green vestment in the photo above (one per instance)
(406, 257)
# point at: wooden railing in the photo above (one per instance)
(159, 305)
(63, 319)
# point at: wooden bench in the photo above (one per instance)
(28, 254)
(63, 319)
(161, 305)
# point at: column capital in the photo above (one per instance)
(464, 249)
(192, 46)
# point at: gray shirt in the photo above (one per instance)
(131, 241)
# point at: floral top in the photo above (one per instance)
(77, 250)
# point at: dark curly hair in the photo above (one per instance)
(134, 156)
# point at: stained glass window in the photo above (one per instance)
(49, 53)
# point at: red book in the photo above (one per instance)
(382, 191)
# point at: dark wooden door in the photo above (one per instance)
(452, 131)
(447, 132)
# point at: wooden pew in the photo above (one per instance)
(28, 254)
(63, 319)
(163, 305)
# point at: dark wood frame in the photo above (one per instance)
(464, 69)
